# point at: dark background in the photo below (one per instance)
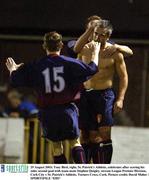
(130, 18)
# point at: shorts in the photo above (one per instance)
(59, 122)
(96, 109)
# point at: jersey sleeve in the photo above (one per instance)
(69, 48)
(28, 109)
(22, 76)
(81, 72)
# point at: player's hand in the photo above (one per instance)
(95, 52)
(93, 24)
(96, 47)
(11, 65)
(118, 106)
(109, 51)
(91, 28)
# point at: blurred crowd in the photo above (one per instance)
(16, 104)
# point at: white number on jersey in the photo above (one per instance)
(57, 78)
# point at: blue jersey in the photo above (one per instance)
(25, 109)
(28, 107)
(69, 48)
(56, 79)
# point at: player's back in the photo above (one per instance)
(57, 79)
(56, 82)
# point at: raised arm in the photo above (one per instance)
(90, 52)
(123, 81)
(20, 74)
(86, 37)
(11, 65)
(83, 39)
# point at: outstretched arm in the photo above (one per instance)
(11, 65)
(20, 75)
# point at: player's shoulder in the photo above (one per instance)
(67, 58)
(72, 61)
(118, 56)
(108, 44)
(60, 59)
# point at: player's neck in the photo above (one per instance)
(103, 45)
(53, 53)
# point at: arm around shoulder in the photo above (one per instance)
(125, 50)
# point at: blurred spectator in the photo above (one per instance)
(19, 107)
(2, 111)
(3, 101)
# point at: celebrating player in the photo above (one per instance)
(88, 36)
(57, 80)
(98, 102)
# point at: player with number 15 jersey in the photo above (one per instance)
(57, 80)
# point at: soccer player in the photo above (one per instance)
(87, 36)
(98, 102)
(57, 80)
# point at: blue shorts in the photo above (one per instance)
(59, 122)
(96, 109)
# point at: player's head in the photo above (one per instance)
(14, 98)
(92, 19)
(103, 32)
(52, 42)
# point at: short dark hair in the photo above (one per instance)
(52, 41)
(107, 25)
(92, 18)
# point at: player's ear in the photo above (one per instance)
(61, 44)
(108, 36)
(44, 46)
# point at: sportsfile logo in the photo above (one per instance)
(11, 168)
(2, 169)
(18, 168)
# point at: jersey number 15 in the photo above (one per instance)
(57, 79)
